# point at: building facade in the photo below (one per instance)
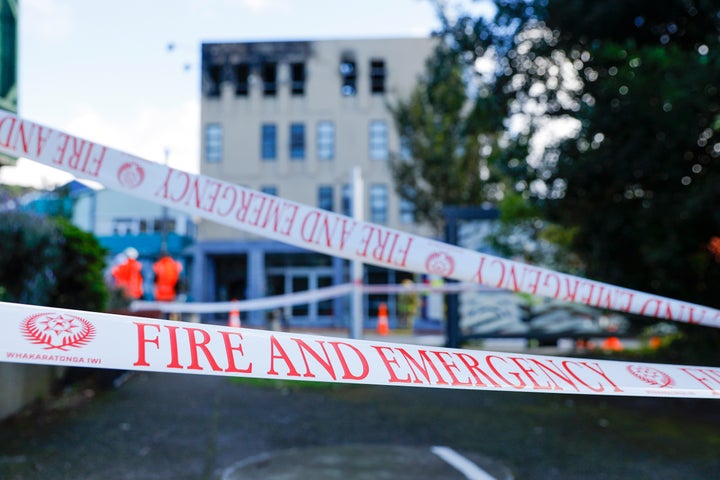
(293, 119)
(120, 221)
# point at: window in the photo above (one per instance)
(348, 78)
(242, 79)
(378, 140)
(407, 211)
(269, 190)
(213, 143)
(214, 79)
(326, 140)
(268, 141)
(297, 78)
(269, 78)
(377, 76)
(325, 197)
(378, 203)
(297, 141)
(166, 224)
(347, 200)
(405, 149)
(125, 226)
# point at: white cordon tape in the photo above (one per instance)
(265, 303)
(296, 298)
(320, 230)
(41, 335)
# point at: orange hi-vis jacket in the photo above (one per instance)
(167, 273)
(128, 276)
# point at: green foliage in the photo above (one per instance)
(642, 175)
(633, 187)
(451, 143)
(48, 261)
(28, 259)
(80, 283)
(523, 233)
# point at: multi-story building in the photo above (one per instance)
(293, 119)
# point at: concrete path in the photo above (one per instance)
(188, 427)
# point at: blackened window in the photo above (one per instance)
(297, 141)
(348, 78)
(242, 80)
(297, 78)
(269, 78)
(268, 141)
(377, 76)
(214, 78)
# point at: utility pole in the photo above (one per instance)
(358, 208)
(164, 228)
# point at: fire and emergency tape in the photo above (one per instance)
(42, 335)
(320, 230)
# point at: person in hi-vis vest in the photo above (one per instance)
(167, 273)
(128, 275)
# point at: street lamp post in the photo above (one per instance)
(164, 227)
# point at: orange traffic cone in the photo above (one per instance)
(234, 318)
(612, 343)
(382, 325)
(654, 343)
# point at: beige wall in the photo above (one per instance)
(23, 384)
(242, 118)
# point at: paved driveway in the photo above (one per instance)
(184, 427)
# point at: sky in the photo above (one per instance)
(102, 70)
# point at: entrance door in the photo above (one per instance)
(299, 279)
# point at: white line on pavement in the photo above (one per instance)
(462, 464)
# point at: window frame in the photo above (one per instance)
(297, 79)
(325, 140)
(214, 142)
(348, 77)
(377, 76)
(269, 72)
(297, 144)
(268, 141)
(378, 140)
(406, 211)
(379, 202)
(326, 197)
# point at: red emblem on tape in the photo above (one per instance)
(440, 263)
(130, 175)
(651, 376)
(57, 330)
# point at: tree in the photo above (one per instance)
(642, 174)
(29, 258)
(636, 176)
(450, 142)
(48, 261)
(80, 282)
